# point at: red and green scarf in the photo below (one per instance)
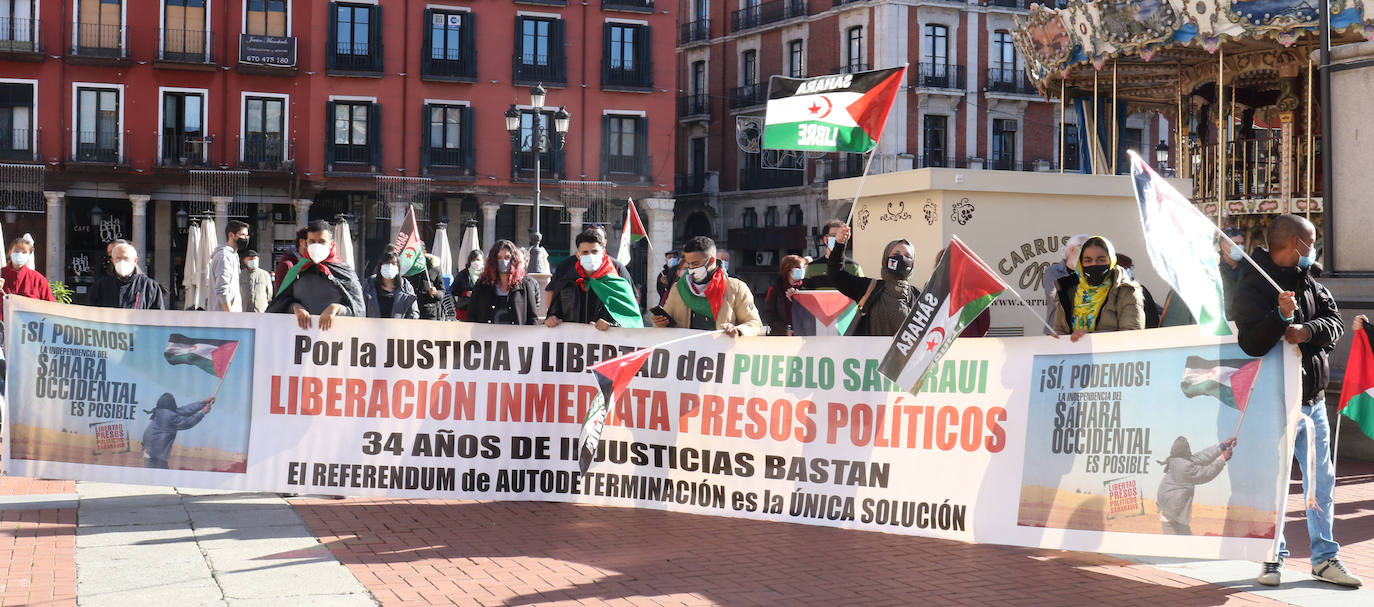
(614, 293)
(708, 303)
(303, 264)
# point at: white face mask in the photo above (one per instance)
(389, 271)
(124, 267)
(19, 258)
(318, 251)
(700, 274)
(252, 264)
(476, 266)
(591, 262)
(798, 274)
(829, 243)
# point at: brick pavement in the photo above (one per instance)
(37, 547)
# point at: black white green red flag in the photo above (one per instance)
(632, 232)
(410, 249)
(611, 377)
(1229, 380)
(1357, 389)
(209, 355)
(837, 113)
(961, 287)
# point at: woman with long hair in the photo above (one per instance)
(503, 294)
(777, 304)
(388, 295)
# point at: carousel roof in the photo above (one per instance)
(1158, 47)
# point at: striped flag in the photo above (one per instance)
(1357, 389)
(209, 355)
(823, 313)
(1229, 380)
(410, 250)
(838, 113)
(632, 232)
(611, 376)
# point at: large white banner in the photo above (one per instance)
(1028, 441)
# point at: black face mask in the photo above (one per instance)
(1095, 274)
(899, 265)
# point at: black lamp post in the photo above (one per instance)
(183, 219)
(538, 141)
(1162, 156)
(97, 215)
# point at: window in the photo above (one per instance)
(935, 45)
(701, 10)
(351, 139)
(795, 56)
(266, 18)
(100, 28)
(183, 129)
(1134, 139)
(1004, 144)
(449, 45)
(97, 124)
(16, 121)
(626, 61)
(625, 145)
(1003, 58)
(795, 216)
(934, 135)
(18, 29)
(770, 217)
(1071, 153)
(854, 49)
(355, 39)
(550, 160)
(749, 67)
(184, 31)
(539, 50)
(698, 78)
(750, 219)
(264, 122)
(448, 138)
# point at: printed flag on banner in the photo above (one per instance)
(961, 287)
(1229, 381)
(632, 232)
(611, 376)
(823, 313)
(1357, 390)
(409, 248)
(1180, 241)
(839, 113)
(209, 355)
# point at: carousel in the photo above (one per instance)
(1236, 80)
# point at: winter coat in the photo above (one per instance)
(403, 303)
(137, 292)
(1181, 476)
(883, 300)
(777, 306)
(257, 289)
(523, 301)
(1124, 309)
(736, 308)
(224, 280)
(1260, 327)
(166, 420)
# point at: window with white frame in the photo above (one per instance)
(264, 127)
(16, 120)
(97, 124)
(266, 17)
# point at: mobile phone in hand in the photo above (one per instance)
(658, 311)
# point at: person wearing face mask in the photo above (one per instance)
(668, 275)
(1232, 266)
(256, 283)
(289, 259)
(126, 287)
(461, 289)
(387, 294)
(596, 292)
(777, 303)
(1303, 314)
(1099, 297)
(225, 294)
(885, 302)
(567, 269)
(706, 299)
(20, 279)
(320, 285)
(817, 276)
(503, 294)
(1057, 270)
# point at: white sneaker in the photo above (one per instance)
(1331, 570)
(1271, 573)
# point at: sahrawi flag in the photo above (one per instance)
(1180, 242)
(839, 113)
(209, 355)
(409, 248)
(1229, 380)
(1357, 390)
(611, 376)
(632, 232)
(961, 287)
(823, 313)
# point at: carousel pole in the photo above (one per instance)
(1097, 126)
(1221, 132)
(1179, 136)
(1062, 106)
(1116, 139)
(1311, 157)
(1328, 192)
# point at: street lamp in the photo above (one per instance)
(1162, 153)
(538, 141)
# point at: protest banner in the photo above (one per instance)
(1024, 441)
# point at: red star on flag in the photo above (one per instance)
(815, 108)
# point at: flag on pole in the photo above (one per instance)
(611, 376)
(838, 113)
(961, 287)
(1357, 389)
(823, 313)
(1229, 380)
(632, 232)
(209, 355)
(409, 248)
(1180, 242)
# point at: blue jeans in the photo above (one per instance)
(1319, 523)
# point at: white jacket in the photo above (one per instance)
(224, 280)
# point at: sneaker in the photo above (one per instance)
(1331, 570)
(1270, 575)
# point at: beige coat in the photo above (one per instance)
(1124, 309)
(257, 289)
(737, 309)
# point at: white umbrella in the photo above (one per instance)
(443, 251)
(191, 269)
(209, 241)
(4, 261)
(470, 244)
(343, 243)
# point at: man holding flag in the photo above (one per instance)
(596, 293)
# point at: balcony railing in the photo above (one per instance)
(753, 177)
(695, 31)
(550, 164)
(182, 151)
(185, 46)
(691, 183)
(99, 40)
(360, 56)
(931, 160)
(847, 165)
(619, 168)
(19, 36)
(632, 5)
(693, 105)
(17, 145)
(1007, 79)
(748, 95)
(766, 12)
(853, 67)
(264, 151)
(1016, 4)
(97, 146)
(844, 2)
(358, 154)
(452, 64)
(939, 76)
(447, 157)
(538, 68)
(638, 75)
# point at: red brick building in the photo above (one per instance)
(125, 118)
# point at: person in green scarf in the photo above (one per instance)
(1100, 296)
(706, 299)
(594, 292)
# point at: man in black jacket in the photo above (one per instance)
(322, 285)
(125, 286)
(1302, 314)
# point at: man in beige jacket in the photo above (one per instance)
(706, 299)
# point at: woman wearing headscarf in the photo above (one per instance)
(503, 294)
(386, 294)
(461, 289)
(1183, 472)
(883, 302)
(777, 303)
(1100, 297)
